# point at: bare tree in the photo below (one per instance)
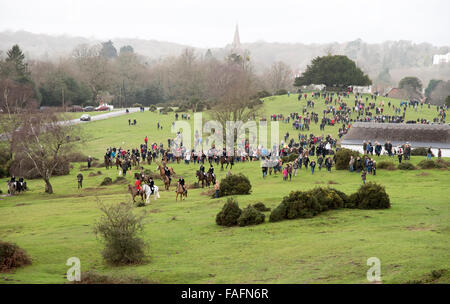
(45, 141)
(279, 76)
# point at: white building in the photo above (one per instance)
(438, 59)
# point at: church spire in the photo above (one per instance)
(236, 41)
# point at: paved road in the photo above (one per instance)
(103, 116)
(93, 118)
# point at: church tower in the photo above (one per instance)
(236, 45)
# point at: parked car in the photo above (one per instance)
(85, 117)
(88, 109)
(75, 109)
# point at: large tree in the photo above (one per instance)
(412, 86)
(278, 76)
(333, 71)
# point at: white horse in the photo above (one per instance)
(148, 193)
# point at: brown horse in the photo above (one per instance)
(210, 179)
(118, 163)
(108, 162)
(201, 178)
(135, 192)
(225, 160)
(164, 177)
(181, 192)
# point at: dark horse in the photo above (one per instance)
(108, 162)
(201, 177)
(226, 160)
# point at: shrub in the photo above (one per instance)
(106, 181)
(250, 216)
(343, 158)
(421, 151)
(279, 213)
(234, 185)
(230, 213)
(297, 204)
(23, 166)
(406, 166)
(370, 196)
(261, 207)
(290, 158)
(281, 92)
(119, 228)
(388, 165)
(430, 164)
(261, 94)
(152, 108)
(76, 157)
(137, 105)
(344, 197)
(327, 198)
(120, 180)
(93, 277)
(440, 163)
(12, 256)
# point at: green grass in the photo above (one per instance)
(186, 246)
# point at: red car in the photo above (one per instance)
(102, 108)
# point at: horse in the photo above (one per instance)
(149, 159)
(148, 192)
(201, 177)
(226, 160)
(11, 187)
(164, 177)
(210, 179)
(181, 192)
(118, 163)
(135, 192)
(107, 162)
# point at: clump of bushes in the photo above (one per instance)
(308, 204)
(250, 216)
(12, 256)
(120, 230)
(230, 213)
(421, 151)
(388, 165)
(343, 158)
(427, 164)
(120, 180)
(281, 92)
(406, 166)
(370, 196)
(440, 163)
(93, 277)
(234, 185)
(261, 207)
(106, 181)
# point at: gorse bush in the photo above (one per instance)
(261, 207)
(297, 204)
(234, 185)
(370, 196)
(343, 158)
(406, 166)
(120, 230)
(12, 256)
(388, 165)
(106, 181)
(290, 158)
(420, 152)
(427, 164)
(230, 213)
(327, 198)
(250, 216)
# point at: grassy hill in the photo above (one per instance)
(186, 246)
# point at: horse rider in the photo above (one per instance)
(151, 183)
(202, 169)
(137, 184)
(211, 171)
(181, 182)
(167, 172)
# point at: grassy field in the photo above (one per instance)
(186, 246)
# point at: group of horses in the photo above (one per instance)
(145, 188)
(16, 187)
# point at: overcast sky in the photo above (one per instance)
(211, 23)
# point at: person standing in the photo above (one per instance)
(80, 180)
(89, 161)
(217, 187)
(429, 153)
(312, 165)
(289, 168)
(351, 163)
(439, 153)
(363, 176)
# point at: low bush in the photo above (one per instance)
(234, 184)
(120, 180)
(440, 163)
(281, 92)
(327, 198)
(421, 151)
(297, 204)
(137, 105)
(406, 166)
(343, 158)
(427, 164)
(344, 197)
(12, 256)
(76, 157)
(106, 181)
(230, 213)
(120, 230)
(93, 277)
(261, 207)
(370, 196)
(388, 165)
(250, 216)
